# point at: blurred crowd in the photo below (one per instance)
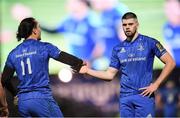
(168, 100)
(91, 28)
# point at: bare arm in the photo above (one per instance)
(7, 75)
(2, 97)
(109, 74)
(169, 66)
(3, 104)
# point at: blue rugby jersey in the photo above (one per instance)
(30, 61)
(135, 61)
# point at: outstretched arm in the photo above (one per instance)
(71, 60)
(169, 66)
(109, 74)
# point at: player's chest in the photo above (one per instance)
(133, 53)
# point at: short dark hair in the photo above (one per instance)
(129, 15)
(25, 28)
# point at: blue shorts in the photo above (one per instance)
(39, 107)
(137, 106)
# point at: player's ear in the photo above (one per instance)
(34, 31)
(137, 24)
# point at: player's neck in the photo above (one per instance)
(131, 39)
(135, 36)
(32, 37)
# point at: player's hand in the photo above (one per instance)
(83, 69)
(77, 68)
(4, 112)
(84, 63)
(149, 90)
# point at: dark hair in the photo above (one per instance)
(25, 28)
(129, 15)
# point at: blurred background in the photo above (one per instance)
(89, 29)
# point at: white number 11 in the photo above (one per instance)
(28, 62)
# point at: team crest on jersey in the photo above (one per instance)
(140, 47)
(160, 47)
(122, 50)
(24, 50)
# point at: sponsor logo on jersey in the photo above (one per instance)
(135, 59)
(24, 50)
(26, 54)
(140, 47)
(122, 50)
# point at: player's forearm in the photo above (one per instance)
(71, 60)
(3, 103)
(169, 66)
(5, 80)
(104, 75)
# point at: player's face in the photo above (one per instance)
(130, 26)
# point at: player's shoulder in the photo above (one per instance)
(45, 43)
(14, 50)
(30, 44)
(36, 43)
(40, 43)
(148, 38)
(48, 46)
(11, 53)
(119, 46)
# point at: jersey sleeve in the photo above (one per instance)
(53, 51)
(114, 62)
(158, 49)
(9, 62)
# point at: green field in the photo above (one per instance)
(150, 13)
